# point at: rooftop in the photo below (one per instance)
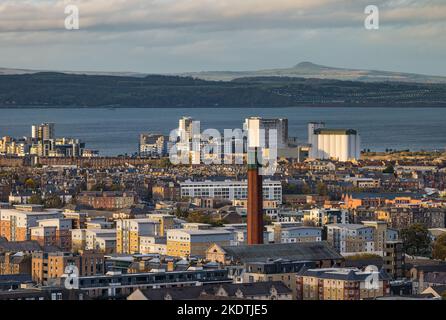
(304, 251)
(335, 131)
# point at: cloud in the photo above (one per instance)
(208, 15)
(187, 35)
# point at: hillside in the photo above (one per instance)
(307, 70)
(68, 90)
(310, 70)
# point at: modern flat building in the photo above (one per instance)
(280, 270)
(300, 234)
(190, 242)
(51, 265)
(254, 125)
(53, 232)
(320, 217)
(15, 225)
(350, 239)
(394, 259)
(44, 131)
(153, 244)
(15, 263)
(165, 221)
(341, 284)
(129, 231)
(231, 190)
(151, 144)
(338, 144)
(101, 240)
(117, 285)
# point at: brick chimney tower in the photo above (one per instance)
(255, 199)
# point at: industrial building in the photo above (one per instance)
(339, 144)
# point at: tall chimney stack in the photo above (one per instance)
(255, 199)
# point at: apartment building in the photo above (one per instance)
(394, 259)
(166, 191)
(152, 244)
(195, 242)
(320, 217)
(15, 263)
(129, 231)
(51, 265)
(53, 232)
(279, 270)
(107, 200)
(79, 219)
(101, 240)
(166, 221)
(350, 239)
(118, 285)
(341, 284)
(15, 225)
(300, 234)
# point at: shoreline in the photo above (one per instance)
(220, 107)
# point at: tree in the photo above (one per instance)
(267, 220)
(389, 169)
(30, 184)
(306, 189)
(165, 163)
(290, 188)
(416, 240)
(321, 189)
(439, 248)
(35, 199)
(53, 201)
(181, 214)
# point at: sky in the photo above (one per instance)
(169, 36)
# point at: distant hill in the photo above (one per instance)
(305, 70)
(10, 71)
(49, 89)
(311, 70)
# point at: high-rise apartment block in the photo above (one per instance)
(153, 145)
(44, 131)
(255, 125)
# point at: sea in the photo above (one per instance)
(116, 131)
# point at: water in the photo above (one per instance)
(114, 132)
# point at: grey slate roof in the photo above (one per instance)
(8, 278)
(348, 275)
(195, 292)
(16, 246)
(304, 251)
(439, 289)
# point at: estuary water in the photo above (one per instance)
(116, 131)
